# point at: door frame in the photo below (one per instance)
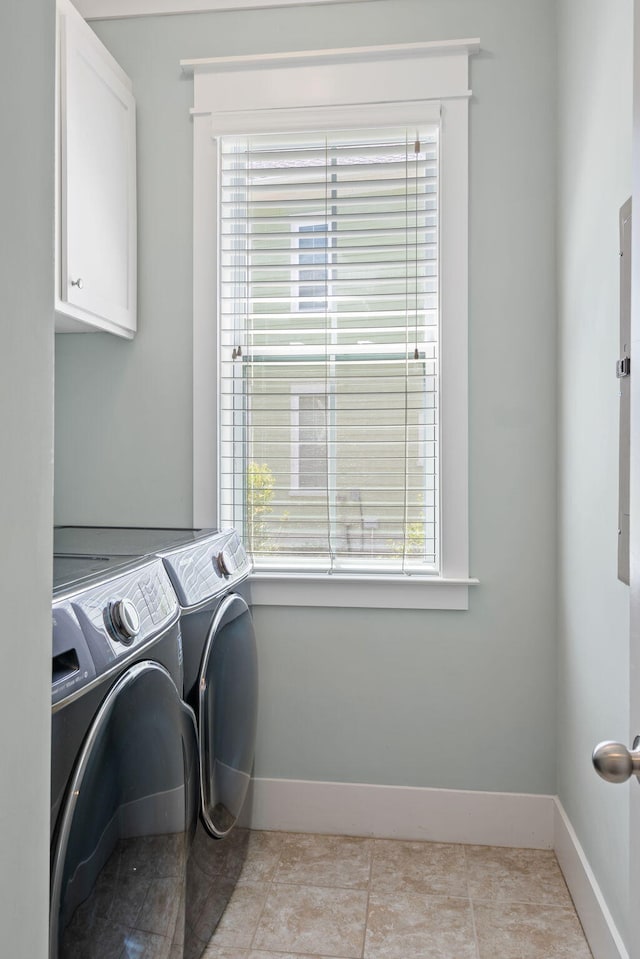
(634, 548)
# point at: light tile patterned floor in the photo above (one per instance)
(321, 897)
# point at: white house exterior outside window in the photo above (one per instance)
(332, 428)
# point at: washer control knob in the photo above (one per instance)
(125, 620)
(221, 563)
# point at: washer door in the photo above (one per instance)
(120, 860)
(227, 714)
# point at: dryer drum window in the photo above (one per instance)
(227, 714)
(118, 880)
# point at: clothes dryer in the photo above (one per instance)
(124, 797)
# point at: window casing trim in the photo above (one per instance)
(372, 87)
(371, 592)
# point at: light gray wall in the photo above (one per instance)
(26, 477)
(434, 699)
(595, 122)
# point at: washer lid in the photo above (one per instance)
(123, 540)
(73, 570)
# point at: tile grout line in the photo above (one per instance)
(366, 913)
(473, 911)
(475, 929)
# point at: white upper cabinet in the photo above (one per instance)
(95, 185)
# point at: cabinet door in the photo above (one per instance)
(97, 183)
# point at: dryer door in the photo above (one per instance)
(228, 703)
(120, 855)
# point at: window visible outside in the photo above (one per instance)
(309, 453)
(313, 275)
(329, 349)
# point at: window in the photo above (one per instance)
(340, 432)
(312, 240)
(354, 322)
(309, 438)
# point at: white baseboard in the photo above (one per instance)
(402, 812)
(597, 922)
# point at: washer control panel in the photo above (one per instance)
(103, 622)
(207, 568)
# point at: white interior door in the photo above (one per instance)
(617, 762)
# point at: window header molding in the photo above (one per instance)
(316, 79)
(392, 51)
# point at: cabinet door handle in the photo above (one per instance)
(77, 283)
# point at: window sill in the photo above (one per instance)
(388, 592)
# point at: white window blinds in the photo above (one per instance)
(329, 329)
